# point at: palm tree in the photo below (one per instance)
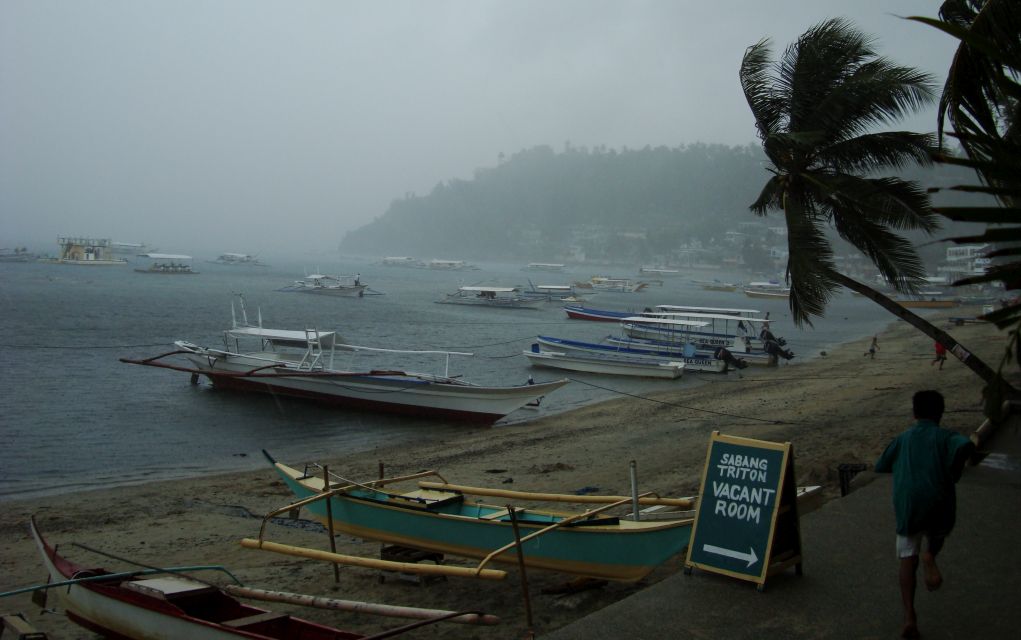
(982, 101)
(815, 109)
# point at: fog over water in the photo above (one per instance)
(285, 124)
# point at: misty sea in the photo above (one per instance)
(72, 417)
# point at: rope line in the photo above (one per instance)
(681, 406)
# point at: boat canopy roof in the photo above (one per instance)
(678, 308)
(493, 289)
(285, 337)
(671, 321)
(235, 255)
(711, 316)
(554, 287)
(164, 256)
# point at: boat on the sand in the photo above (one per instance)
(154, 603)
(439, 517)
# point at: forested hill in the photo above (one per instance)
(537, 202)
(602, 204)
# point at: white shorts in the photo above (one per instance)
(909, 546)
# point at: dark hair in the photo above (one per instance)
(928, 405)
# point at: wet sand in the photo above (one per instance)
(839, 408)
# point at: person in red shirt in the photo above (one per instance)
(941, 355)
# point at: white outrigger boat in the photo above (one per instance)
(499, 297)
(237, 260)
(167, 263)
(328, 285)
(617, 285)
(604, 363)
(300, 364)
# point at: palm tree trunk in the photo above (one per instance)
(962, 353)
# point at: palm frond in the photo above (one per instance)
(757, 84)
(878, 151)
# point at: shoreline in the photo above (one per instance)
(836, 408)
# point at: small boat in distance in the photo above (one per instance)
(402, 261)
(87, 251)
(300, 364)
(497, 297)
(326, 285)
(607, 283)
(450, 265)
(237, 260)
(928, 300)
(545, 266)
(167, 264)
(658, 271)
(767, 290)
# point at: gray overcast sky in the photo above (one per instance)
(275, 126)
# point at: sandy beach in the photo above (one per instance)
(841, 407)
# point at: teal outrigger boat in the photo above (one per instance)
(437, 517)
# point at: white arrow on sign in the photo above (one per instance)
(750, 557)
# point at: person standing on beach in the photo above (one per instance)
(873, 347)
(926, 462)
(941, 355)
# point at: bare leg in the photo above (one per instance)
(908, 569)
(933, 577)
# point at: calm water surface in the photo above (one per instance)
(73, 417)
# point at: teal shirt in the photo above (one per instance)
(926, 461)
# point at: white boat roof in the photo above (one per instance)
(674, 321)
(164, 256)
(554, 287)
(282, 335)
(493, 289)
(235, 255)
(714, 316)
(545, 264)
(767, 285)
(675, 307)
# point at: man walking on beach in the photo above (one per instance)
(926, 461)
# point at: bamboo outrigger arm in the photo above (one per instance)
(556, 525)
(373, 608)
(684, 503)
(372, 563)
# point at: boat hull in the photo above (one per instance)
(698, 362)
(605, 365)
(625, 551)
(115, 611)
(381, 392)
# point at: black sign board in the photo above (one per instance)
(746, 525)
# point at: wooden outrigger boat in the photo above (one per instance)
(300, 364)
(496, 297)
(160, 604)
(437, 517)
(165, 604)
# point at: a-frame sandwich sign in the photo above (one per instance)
(746, 525)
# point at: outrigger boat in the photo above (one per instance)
(438, 517)
(321, 284)
(165, 604)
(498, 297)
(300, 364)
(167, 263)
(609, 364)
(693, 360)
(237, 260)
(618, 285)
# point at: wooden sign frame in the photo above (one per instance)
(782, 547)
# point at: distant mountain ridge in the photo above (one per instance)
(627, 205)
